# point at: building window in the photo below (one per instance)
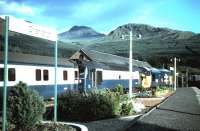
(1, 74)
(64, 75)
(11, 74)
(45, 75)
(76, 75)
(99, 77)
(38, 74)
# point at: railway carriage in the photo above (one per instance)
(89, 71)
(102, 70)
(38, 73)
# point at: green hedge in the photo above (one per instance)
(92, 106)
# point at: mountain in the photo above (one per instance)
(156, 45)
(147, 31)
(79, 33)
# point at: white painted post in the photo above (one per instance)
(130, 65)
(175, 73)
(55, 79)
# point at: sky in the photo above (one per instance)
(106, 15)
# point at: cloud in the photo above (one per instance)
(14, 8)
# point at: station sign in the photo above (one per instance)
(28, 28)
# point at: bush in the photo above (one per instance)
(126, 109)
(119, 89)
(93, 106)
(126, 106)
(25, 107)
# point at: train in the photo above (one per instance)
(86, 71)
(103, 70)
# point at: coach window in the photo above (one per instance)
(45, 75)
(76, 75)
(11, 74)
(64, 75)
(99, 77)
(38, 74)
(119, 77)
(1, 74)
(153, 77)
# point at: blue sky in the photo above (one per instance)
(106, 15)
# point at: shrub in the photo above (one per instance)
(93, 106)
(25, 107)
(126, 106)
(126, 109)
(119, 89)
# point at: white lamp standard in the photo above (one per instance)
(175, 73)
(130, 61)
(175, 64)
(130, 65)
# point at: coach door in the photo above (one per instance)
(96, 77)
(92, 78)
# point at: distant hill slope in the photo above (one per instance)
(79, 33)
(157, 45)
(32, 45)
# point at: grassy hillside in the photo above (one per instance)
(31, 45)
(155, 50)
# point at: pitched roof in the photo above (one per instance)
(20, 58)
(109, 60)
(113, 59)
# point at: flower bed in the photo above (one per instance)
(50, 126)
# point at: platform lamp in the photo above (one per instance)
(175, 65)
(130, 59)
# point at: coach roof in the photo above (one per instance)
(19, 58)
(113, 61)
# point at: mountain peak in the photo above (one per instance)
(76, 28)
(80, 33)
(147, 31)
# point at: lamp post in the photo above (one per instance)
(130, 60)
(175, 73)
(175, 65)
(130, 65)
